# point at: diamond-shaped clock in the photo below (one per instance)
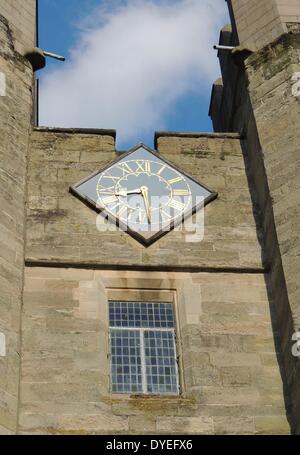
(143, 194)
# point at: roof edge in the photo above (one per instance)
(159, 134)
(95, 131)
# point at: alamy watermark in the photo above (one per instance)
(296, 345)
(296, 84)
(2, 345)
(2, 84)
(159, 214)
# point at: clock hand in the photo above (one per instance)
(144, 191)
(124, 193)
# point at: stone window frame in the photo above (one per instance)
(98, 286)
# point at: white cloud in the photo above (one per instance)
(131, 63)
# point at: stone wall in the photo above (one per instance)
(260, 22)
(231, 381)
(272, 75)
(230, 378)
(265, 109)
(15, 114)
(21, 17)
(61, 229)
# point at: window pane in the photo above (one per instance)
(126, 372)
(160, 358)
(143, 350)
(141, 315)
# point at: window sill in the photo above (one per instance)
(140, 397)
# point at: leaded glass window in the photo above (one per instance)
(143, 348)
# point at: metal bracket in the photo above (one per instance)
(55, 56)
(220, 47)
(37, 57)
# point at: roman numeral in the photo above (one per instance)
(109, 200)
(106, 190)
(123, 210)
(114, 207)
(181, 193)
(142, 216)
(111, 177)
(177, 179)
(143, 166)
(130, 213)
(177, 205)
(161, 169)
(125, 168)
(165, 215)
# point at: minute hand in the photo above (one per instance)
(144, 191)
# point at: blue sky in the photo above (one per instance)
(137, 66)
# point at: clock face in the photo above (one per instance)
(146, 195)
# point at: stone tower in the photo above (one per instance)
(17, 32)
(233, 294)
(259, 97)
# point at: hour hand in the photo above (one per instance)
(144, 191)
(124, 193)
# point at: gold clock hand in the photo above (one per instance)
(144, 191)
